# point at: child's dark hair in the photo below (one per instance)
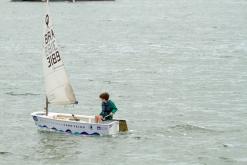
(104, 95)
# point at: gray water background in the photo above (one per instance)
(175, 68)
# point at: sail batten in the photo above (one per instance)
(57, 86)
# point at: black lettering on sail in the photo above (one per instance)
(46, 40)
(49, 62)
(53, 59)
(49, 36)
(58, 56)
(47, 20)
(52, 33)
(51, 50)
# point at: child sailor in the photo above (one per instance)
(108, 108)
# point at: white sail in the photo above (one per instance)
(57, 86)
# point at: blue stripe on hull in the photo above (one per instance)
(85, 133)
(69, 131)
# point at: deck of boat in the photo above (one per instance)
(76, 118)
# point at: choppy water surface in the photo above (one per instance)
(176, 70)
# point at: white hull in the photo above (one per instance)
(80, 124)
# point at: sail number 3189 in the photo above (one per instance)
(53, 59)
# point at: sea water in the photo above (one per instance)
(176, 70)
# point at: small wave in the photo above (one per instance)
(190, 128)
(244, 159)
(4, 153)
(226, 159)
(108, 82)
(21, 94)
(226, 56)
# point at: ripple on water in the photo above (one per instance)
(21, 94)
(5, 153)
(190, 128)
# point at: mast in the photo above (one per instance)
(46, 98)
(46, 105)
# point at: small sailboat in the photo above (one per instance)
(59, 91)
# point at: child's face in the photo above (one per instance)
(103, 100)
